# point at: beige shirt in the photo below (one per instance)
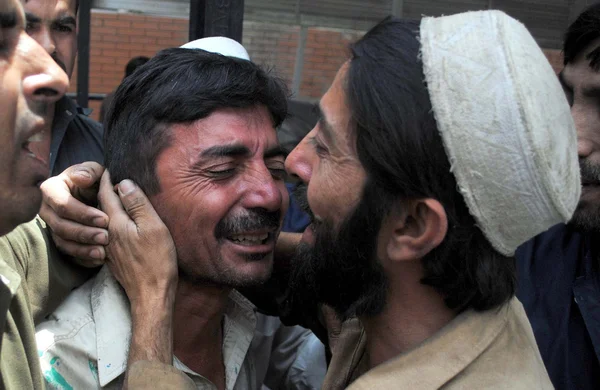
(495, 349)
(85, 343)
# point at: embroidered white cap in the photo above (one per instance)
(220, 45)
(505, 124)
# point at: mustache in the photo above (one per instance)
(254, 219)
(590, 173)
(300, 193)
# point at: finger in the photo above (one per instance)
(82, 175)
(136, 203)
(89, 256)
(73, 231)
(109, 200)
(65, 206)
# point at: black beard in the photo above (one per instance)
(342, 269)
(587, 215)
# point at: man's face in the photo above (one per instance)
(53, 24)
(327, 162)
(582, 87)
(29, 82)
(336, 263)
(223, 197)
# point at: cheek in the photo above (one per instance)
(331, 192)
(66, 46)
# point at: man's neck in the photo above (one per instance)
(412, 314)
(197, 328)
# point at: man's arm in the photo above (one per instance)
(141, 255)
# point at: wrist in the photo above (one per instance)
(153, 302)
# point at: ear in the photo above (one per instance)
(416, 228)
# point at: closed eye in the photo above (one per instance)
(320, 149)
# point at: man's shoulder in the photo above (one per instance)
(558, 244)
(67, 341)
(86, 123)
(511, 358)
(25, 242)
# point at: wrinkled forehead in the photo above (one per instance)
(251, 126)
(50, 9)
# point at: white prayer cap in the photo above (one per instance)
(220, 45)
(505, 124)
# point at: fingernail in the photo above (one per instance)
(95, 253)
(100, 222)
(126, 187)
(101, 238)
(84, 174)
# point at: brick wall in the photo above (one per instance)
(116, 38)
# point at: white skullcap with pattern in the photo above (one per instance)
(505, 124)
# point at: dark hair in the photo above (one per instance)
(584, 30)
(178, 86)
(400, 148)
(134, 63)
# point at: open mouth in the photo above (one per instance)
(251, 239)
(31, 148)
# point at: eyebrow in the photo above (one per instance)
(226, 151)
(325, 126)
(8, 19)
(276, 151)
(65, 19)
(31, 18)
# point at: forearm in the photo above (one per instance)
(152, 333)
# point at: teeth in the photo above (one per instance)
(250, 239)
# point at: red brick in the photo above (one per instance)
(144, 25)
(169, 27)
(117, 23)
(104, 45)
(156, 33)
(104, 15)
(143, 40)
(115, 38)
(131, 32)
(104, 60)
(98, 31)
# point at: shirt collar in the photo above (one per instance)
(464, 339)
(110, 308)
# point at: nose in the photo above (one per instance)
(43, 80)
(265, 192)
(588, 139)
(298, 163)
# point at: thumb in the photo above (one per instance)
(135, 202)
(84, 175)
